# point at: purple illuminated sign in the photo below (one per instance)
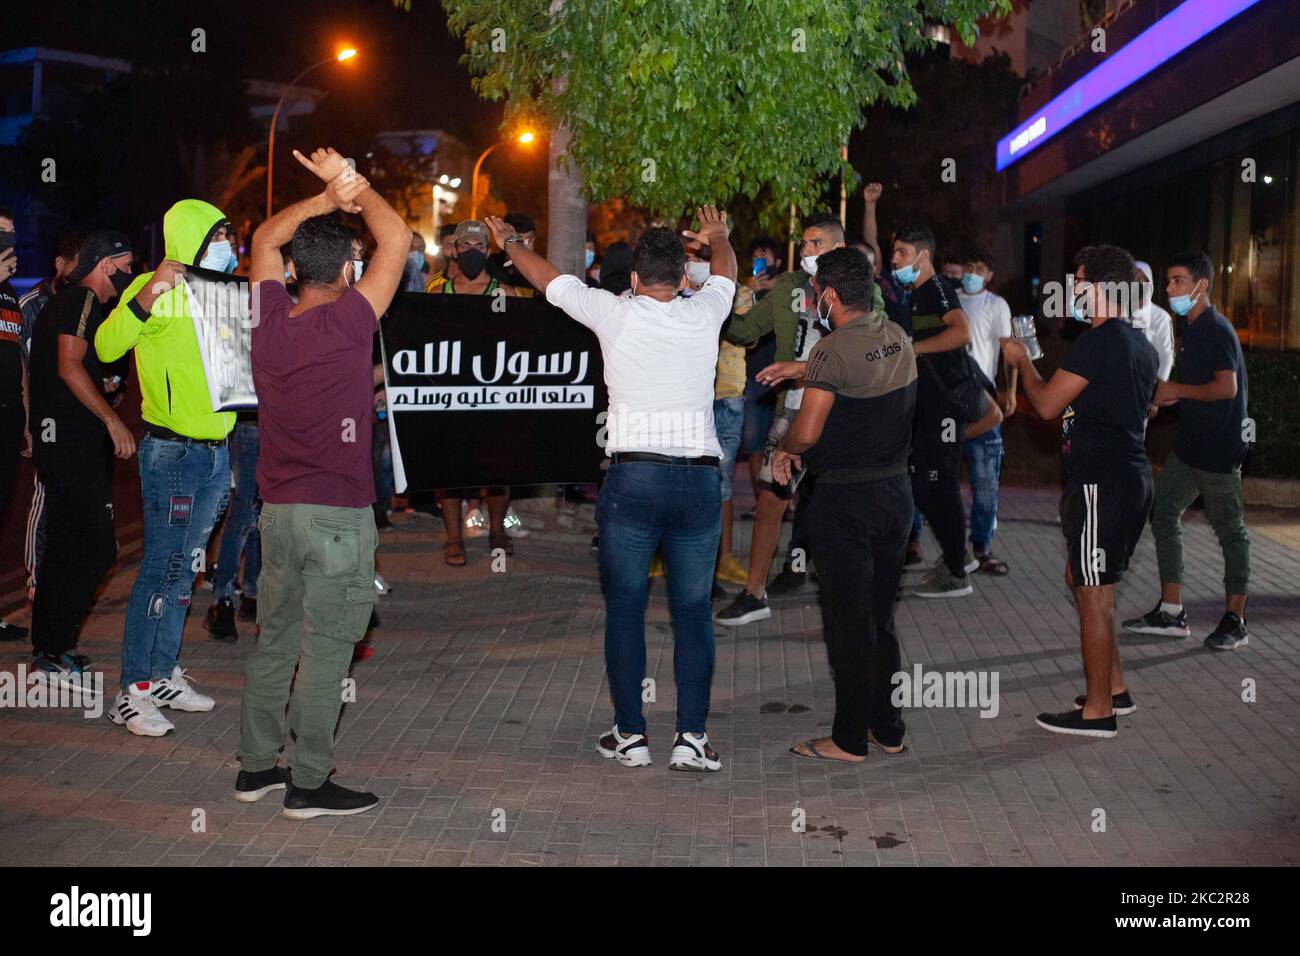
(1163, 40)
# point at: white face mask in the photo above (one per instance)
(217, 257)
(357, 267)
(809, 264)
(697, 272)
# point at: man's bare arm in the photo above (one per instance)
(955, 336)
(393, 239)
(870, 228)
(270, 236)
(537, 269)
(807, 427)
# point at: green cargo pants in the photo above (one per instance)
(313, 604)
(1177, 486)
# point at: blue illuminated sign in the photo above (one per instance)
(1163, 40)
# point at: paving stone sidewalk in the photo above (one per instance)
(486, 692)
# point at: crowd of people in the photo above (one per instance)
(853, 393)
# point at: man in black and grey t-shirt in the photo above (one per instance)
(852, 432)
(1102, 392)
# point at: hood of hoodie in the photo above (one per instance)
(187, 227)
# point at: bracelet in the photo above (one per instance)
(514, 237)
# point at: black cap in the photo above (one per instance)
(521, 221)
(102, 244)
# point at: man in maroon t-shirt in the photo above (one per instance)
(313, 375)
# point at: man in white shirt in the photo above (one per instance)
(1156, 324)
(990, 322)
(663, 487)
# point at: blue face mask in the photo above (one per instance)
(907, 274)
(1077, 311)
(588, 258)
(217, 256)
(972, 283)
(1182, 304)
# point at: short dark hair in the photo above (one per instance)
(1198, 264)
(952, 259)
(659, 257)
(981, 255)
(6, 213)
(521, 221)
(1106, 264)
(69, 243)
(764, 242)
(320, 246)
(917, 235)
(824, 220)
(848, 271)
(448, 229)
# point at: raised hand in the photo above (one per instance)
(344, 190)
(713, 225)
(326, 163)
(500, 229)
(165, 277)
(871, 192)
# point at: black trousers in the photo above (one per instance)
(799, 527)
(12, 420)
(936, 485)
(80, 545)
(858, 534)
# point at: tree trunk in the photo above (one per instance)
(566, 224)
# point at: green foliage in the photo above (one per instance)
(676, 102)
(1273, 381)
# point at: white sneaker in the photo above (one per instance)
(632, 750)
(175, 692)
(692, 752)
(476, 525)
(134, 708)
(514, 525)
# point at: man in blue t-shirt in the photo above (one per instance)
(1101, 392)
(1214, 434)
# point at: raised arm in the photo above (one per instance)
(870, 228)
(535, 268)
(714, 233)
(1048, 398)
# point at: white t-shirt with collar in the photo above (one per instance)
(660, 360)
(990, 320)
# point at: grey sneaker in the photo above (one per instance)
(1160, 623)
(939, 582)
(1229, 635)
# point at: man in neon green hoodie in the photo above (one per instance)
(184, 465)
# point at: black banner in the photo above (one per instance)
(490, 390)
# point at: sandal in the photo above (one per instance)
(816, 754)
(501, 541)
(453, 552)
(991, 565)
(887, 751)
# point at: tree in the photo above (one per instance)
(669, 103)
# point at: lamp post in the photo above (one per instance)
(524, 138)
(340, 57)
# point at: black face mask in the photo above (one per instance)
(120, 281)
(471, 262)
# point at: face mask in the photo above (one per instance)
(471, 262)
(1077, 310)
(357, 267)
(698, 272)
(972, 283)
(217, 257)
(588, 257)
(1182, 304)
(809, 265)
(907, 274)
(824, 320)
(415, 258)
(120, 281)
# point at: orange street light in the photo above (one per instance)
(524, 138)
(347, 53)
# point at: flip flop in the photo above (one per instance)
(991, 565)
(818, 755)
(453, 552)
(872, 741)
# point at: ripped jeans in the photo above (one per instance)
(184, 487)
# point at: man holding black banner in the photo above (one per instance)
(663, 486)
(314, 378)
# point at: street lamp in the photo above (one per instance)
(524, 138)
(342, 56)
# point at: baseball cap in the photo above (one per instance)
(521, 221)
(101, 244)
(471, 229)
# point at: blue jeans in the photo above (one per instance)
(239, 536)
(984, 456)
(643, 506)
(728, 419)
(184, 487)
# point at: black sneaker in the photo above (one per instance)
(1159, 623)
(632, 750)
(744, 609)
(220, 621)
(1122, 703)
(12, 632)
(788, 582)
(718, 594)
(247, 609)
(1229, 635)
(1073, 722)
(251, 787)
(327, 800)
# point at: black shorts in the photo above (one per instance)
(1103, 523)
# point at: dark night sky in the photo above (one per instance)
(408, 71)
